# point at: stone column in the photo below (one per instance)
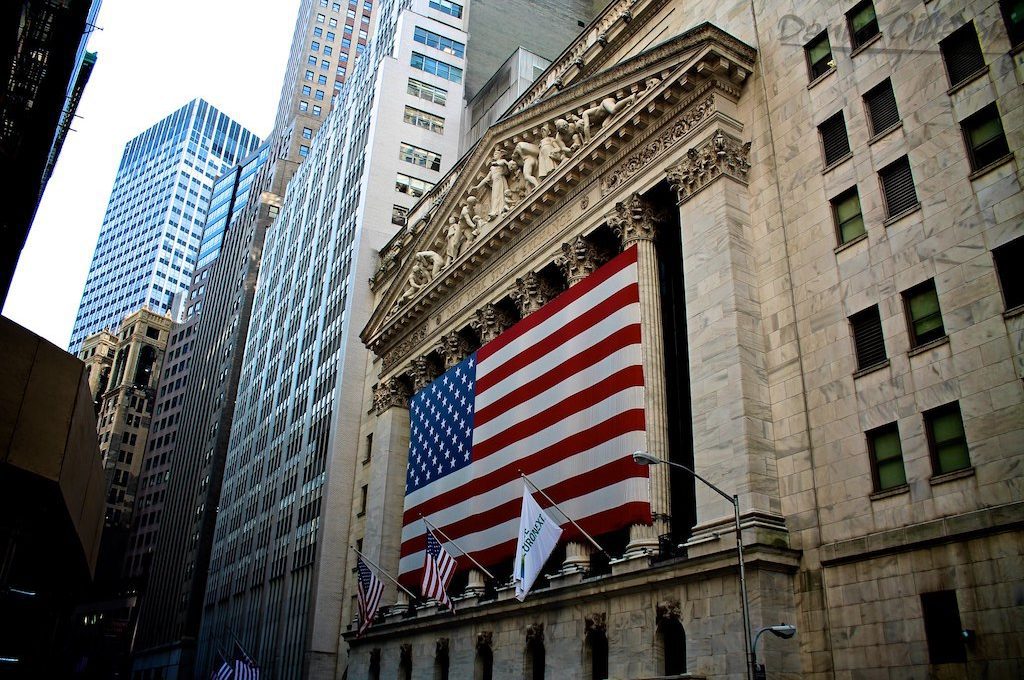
(531, 292)
(386, 485)
(490, 322)
(634, 222)
(578, 260)
(732, 414)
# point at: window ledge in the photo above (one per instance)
(853, 241)
(885, 133)
(868, 43)
(822, 77)
(889, 493)
(837, 162)
(968, 80)
(899, 216)
(1016, 49)
(931, 344)
(950, 476)
(871, 369)
(991, 166)
(1013, 311)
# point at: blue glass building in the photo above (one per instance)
(149, 243)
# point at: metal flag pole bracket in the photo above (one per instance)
(459, 547)
(564, 514)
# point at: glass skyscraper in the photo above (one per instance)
(148, 245)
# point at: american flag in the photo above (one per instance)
(370, 590)
(438, 569)
(246, 669)
(559, 396)
(225, 672)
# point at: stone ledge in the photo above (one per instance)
(924, 534)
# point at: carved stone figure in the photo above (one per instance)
(497, 180)
(425, 267)
(609, 107)
(565, 128)
(551, 151)
(453, 239)
(462, 230)
(527, 154)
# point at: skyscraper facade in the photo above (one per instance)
(280, 553)
(149, 243)
(199, 398)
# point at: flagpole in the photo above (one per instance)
(239, 643)
(564, 514)
(379, 570)
(445, 537)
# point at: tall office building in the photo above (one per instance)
(149, 242)
(280, 555)
(196, 399)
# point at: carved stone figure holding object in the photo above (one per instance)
(496, 179)
(551, 150)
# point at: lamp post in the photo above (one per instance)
(783, 630)
(644, 458)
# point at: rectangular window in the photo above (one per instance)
(303, 106)
(307, 133)
(303, 150)
(398, 215)
(983, 134)
(346, 29)
(868, 339)
(431, 39)
(328, 51)
(427, 121)
(1013, 16)
(1008, 259)
(819, 56)
(362, 501)
(886, 457)
(448, 7)
(318, 32)
(330, 36)
(309, 75)
(947, 441)
(314, 46)
(411, 185)
(306, 90)
(923, 314)
(437, 67)
(880, 102)
(847, 215)
(316, 109)
(319, 96)
(321, 80)
(961, 52)
(320, 18)
(898, 187)
(834, 142)
(332, 22)
(863, 23)
(417, 156)
(942, 627)
(428, 92)
(369, 448)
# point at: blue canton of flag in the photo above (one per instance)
(441, 436)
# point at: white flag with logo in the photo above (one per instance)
(538, 536)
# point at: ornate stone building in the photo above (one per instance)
(826, 203)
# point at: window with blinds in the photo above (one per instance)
(961, 52)
(898, 187)
(983, 134)
(886, 457)
(880, 102)
(834, 142)
(1008, 258)
(847, 215)
(946, 439)
(924, 317)
(867, 338)
(863, 23)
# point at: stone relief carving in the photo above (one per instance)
(426, 266)
(403, 348)
(496, 178)
(600, 113)
(578, 260)
(633, 220)
(490, 321)
(535, 634)
(423, 373)
(454, 348)
(596, 624)
(720, 155)
(392, 392)
(531, 292)
(668, 610)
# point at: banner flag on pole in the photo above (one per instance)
(438, 569)
(369, 593)
(538, 536)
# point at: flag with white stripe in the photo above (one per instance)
(438, 569)
(245, 669)
(368, 596)
(225, 672)
(559, 396)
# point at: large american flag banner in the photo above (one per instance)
(558, 396)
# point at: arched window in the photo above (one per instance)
(374, 672)
(144, 366)
(483, 668)
(405, 662)
(671, 638)
(441, 660)
(534, 661)
(595, 659)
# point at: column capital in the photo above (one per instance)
(490, 322)
(722, 155)
(423, 373)
(633, 220)
(531, 292)
(391, 392)
(453, 348)
(578, 260)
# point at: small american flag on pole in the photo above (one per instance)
(438, 569)
(368, 596)
(558, 396)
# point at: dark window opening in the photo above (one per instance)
(673, 643)
(597, 650)
(898, 187)
(883, 113)
(868, 338)
(942, 627)
(886, 457)
(947, 440)
(983, 134)
(847, 214)
(923, 313)
(962, 55)
(1013, 16)
(863, 23)
(1008, 258)
(819, 56)
(834, 141)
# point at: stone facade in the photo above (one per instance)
(700, 119)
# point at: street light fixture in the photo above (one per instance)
(645, 458)
(783, 630)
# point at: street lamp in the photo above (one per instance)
(644, 458)
(783, 630)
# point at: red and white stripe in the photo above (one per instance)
(559, 396)
(438, 573)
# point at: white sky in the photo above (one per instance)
(154, 56)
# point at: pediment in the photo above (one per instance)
(527, 161)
